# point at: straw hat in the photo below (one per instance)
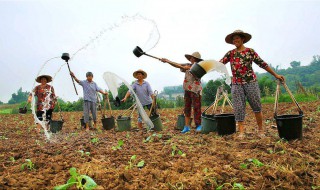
(246, 36)
(195, 55)
(140, 71)
(48, 77)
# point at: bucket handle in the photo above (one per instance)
(125, 111)
(276, 104)
(154, 103)
(213, 105)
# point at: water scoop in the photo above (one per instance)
(23, 110)
(138, 52)
(66, 57)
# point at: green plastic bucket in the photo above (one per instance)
(123, 124)
(108, 123)
(55, 126)
(289, 126)
(226, 124)
(156, 122)
(181, 122)
(208, 123)
(83, 125)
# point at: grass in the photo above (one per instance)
(286, 98)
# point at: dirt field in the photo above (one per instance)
(171, 160)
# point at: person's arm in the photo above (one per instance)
(75, 78)
(126, 96)
(226, 58)
(176, 65)
(257, 59)
(30, 95)
(271, 71)
(103, 92)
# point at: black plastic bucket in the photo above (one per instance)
(138, 51)
(108, 123)
(289, 126)
(156, 122)
(208, 123)
(23, 110)
(123, 124)
(226, 124)
(181, 122)
(55, 126)
(197, 70)
(83, 125)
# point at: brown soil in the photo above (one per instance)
(208, 161)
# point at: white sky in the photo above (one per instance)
(35, 31)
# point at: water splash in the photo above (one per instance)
(213, 65)
(113, 82)
(154, 34)
(43, 123)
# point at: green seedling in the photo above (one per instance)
(253, 161)
(128, 135)
(132, 163)
(151, 137)
(234, 186)
(3, 138)
(81, 181)
(84, 153)
(12, 159)
(256, 162)
(95, 140)
(176, 151)
(120, 144)
(28, 163)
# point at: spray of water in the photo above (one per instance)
(213, 65)
(113, 82)
(153, 35)
(43, 123)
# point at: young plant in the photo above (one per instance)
(120, 144)
(234, 186)
(95, 140)
(81, 181)
(151, 137)
(28, 163)
(253, 161)
(175, 150)
(132, 163)
(84, 153)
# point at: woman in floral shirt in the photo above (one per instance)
(192, 90)
(46, 99)
(244, 80)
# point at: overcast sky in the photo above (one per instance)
(107, 31)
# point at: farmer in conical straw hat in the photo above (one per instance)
(192, 90)
(143, 90)
(46, 99)
(244, 80)
(90, 89)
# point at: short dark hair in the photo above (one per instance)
(89, 74)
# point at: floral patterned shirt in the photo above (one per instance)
(42, 93)
(191, 83)
(241, 65)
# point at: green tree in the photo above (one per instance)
(19, 97)
(295, 64)
(267, 86)
(210, 90)
(1, 102)
(179, 101)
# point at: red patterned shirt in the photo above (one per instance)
(191, 83)
(241, 65)
(42, 92)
